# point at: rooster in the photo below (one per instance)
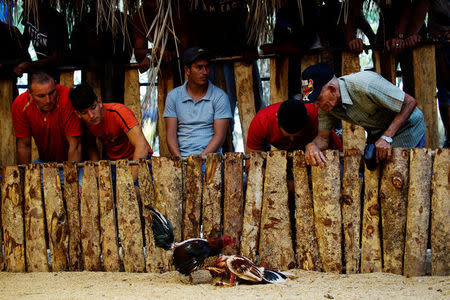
(188, 255)
(244, 269)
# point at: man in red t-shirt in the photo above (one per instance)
(113, 123)
(45, 113)
(288, 125)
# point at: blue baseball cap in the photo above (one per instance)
(313, 80)
(194, 53)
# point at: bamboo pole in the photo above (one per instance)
(440, 210)
(165, 85)
(275, 224)
(394, 198)
(108, 229)
(278, 79)
(327, 211)
(128, 219)
(35, 245)
(307, 248)
(12, 220)
(253, 206)
(7, 140)
(193, 202)
(418, 212)
(71, 195)
(132, 96)
(66, 79)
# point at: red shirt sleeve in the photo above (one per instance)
(256, 134)
(20, 122)
(126, 118)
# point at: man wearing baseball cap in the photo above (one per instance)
(388, 114)
(196, 113)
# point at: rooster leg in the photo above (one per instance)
(191, 280)
(232, 279)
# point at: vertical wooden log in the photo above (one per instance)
(351, 211)
(233, 203)
(275, 224)
(371, 240)
(394, 198)
(71, 195)
(440, 210)
(377, 61)
(132, 95)
(253, 206)
(7, 140)
(57, 228)
(425, 90)
(108, 229)
(128, 218)
(94, 81)
(387, 65)
(90, 219)
(309, 60)
(278, 79)
(34, 150)
(212, 195)
(245, 96)
(35, 245)
(168, 188)
(12, 220)
(418, 212)
(66, 79)
(327, 211)
(307, 248)
(219, 81)
(193, 203)
(165, 85)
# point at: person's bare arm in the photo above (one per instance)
(220, 131)
(313, 150)
(141, 147)
(74, 152)
(171, 136)
(23, 150)
(91, 147)
(50, 60)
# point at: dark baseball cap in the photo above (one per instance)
(194, 53)
(313, 80)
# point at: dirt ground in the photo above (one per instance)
(307, 285)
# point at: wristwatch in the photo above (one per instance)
(386, 138)
(400, 36)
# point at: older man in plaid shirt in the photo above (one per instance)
(388, 114)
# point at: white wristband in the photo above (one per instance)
(386, 138)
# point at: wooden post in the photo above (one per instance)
(327, 211)
(440, 210)
(57, 228)
(128, 219)
(418, 212)
(212, 194)
(393, 198)
(233, 202)
(307, 248)
(132, 95)
(165, 85)
(12, 220)
(425, 90)
(7, 140)
(253, 206)
(94, 81)
(385, 65)
(193, 202)
(351, 211)
(278, 79)
(35, 245)
(371, 242)
(90, 219)
(71, 191)
(275, 243)
(66, 79)
(309, 60)
(219, 81)
(108, 229)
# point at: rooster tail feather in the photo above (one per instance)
(162, 230)
(274, 276)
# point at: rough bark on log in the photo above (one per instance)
(307, 248)
(12, 220)
(35, 245)
(394, 198)
(371, 240)
(90, 219)
(132, 97)
(253, 206)
(66, 79)
(108, 230)
(57, 227)
(7, 140)
(193, 202)
(327, 211)
(418, 212)
(440, 212)
(275, 244)
(71, 195)
(233, 203)
(351, 212)
(128, 219)
(278, 79)
(165, 85)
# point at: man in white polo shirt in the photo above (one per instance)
(198, 112)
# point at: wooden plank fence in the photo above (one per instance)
(87, 229)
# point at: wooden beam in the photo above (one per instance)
(219, 81)
(7, 140)
(132, 95)
(279, 79)
(165, 85)
(309, 60)
(93, 80)
(66, 79)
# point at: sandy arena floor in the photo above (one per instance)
(308, 285)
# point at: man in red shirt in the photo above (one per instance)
(113, 123)
(45, 113)
(288, 125)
